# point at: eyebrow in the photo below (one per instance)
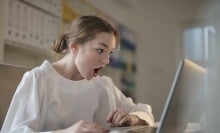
(105, 45)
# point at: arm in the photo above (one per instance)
(139, 113)
(24, 111)
(122, 118)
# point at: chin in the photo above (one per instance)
(88, 78)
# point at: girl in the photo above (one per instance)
(69, 95)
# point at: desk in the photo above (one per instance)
(191, 127)
(194, 128)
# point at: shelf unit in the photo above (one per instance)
(30, 53)
(26, 56)
(27, 28)
(2, 18)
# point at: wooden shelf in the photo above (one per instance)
(30, 49)
(26, 55)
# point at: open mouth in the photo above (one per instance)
(96, 71)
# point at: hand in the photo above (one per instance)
(87, 127)
(122, 118)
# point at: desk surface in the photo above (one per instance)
(191, 128)
(194, 128)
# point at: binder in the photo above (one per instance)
(33, 22)
(9, 31)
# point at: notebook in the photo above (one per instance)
(188, 80)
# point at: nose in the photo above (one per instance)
(106, 59)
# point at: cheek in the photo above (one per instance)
(91, 60)
(85, 60)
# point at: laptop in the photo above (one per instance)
(188, 80)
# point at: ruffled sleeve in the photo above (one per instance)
(24, 112)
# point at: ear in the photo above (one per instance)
(73, 47)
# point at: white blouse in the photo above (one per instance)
(45, 101)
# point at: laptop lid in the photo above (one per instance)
(189, 78)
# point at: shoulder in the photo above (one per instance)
(102, 83)
(106, 83)
(40, 71)
(33, 80)
(103, 80)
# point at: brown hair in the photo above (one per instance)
(84, 29)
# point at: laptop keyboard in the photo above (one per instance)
(134, 129)
(144, 130)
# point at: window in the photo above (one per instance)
(196, 43)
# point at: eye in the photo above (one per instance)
(100, 51)
(112, 52)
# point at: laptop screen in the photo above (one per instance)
(188, 80)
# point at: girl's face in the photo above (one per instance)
(92, 56)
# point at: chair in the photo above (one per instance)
(10, 77)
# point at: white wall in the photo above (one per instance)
(211, 11)
(156, 23)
